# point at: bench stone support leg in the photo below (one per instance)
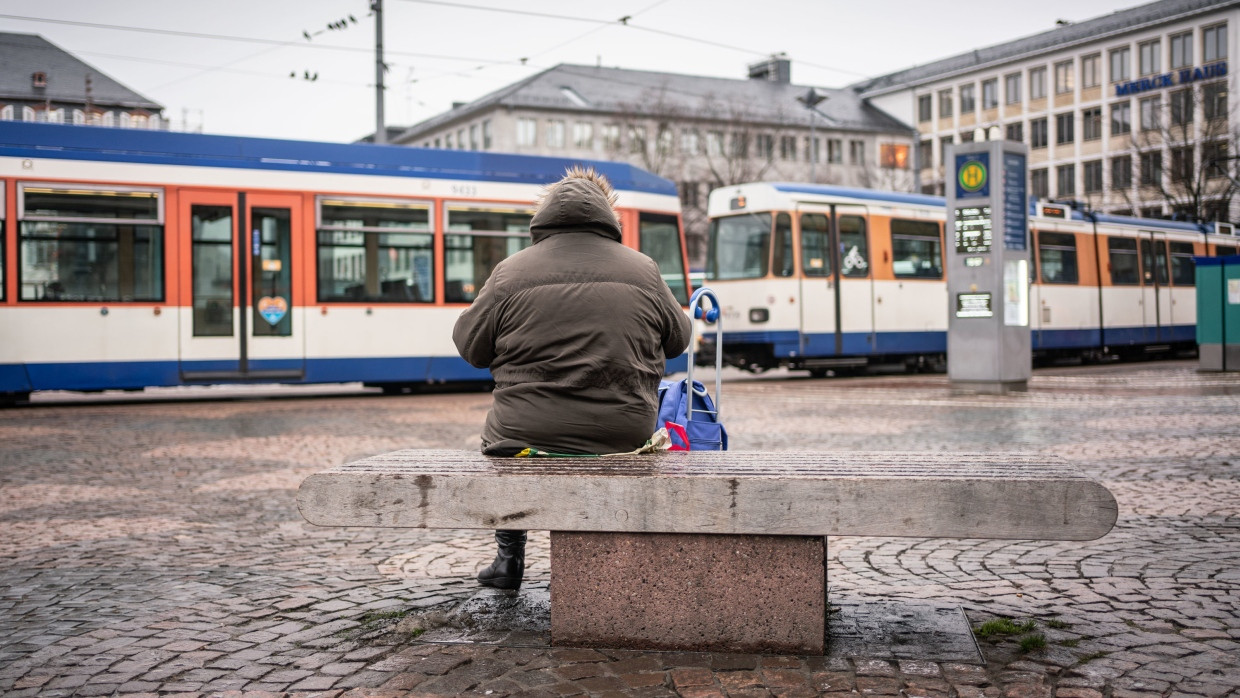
(675, 591)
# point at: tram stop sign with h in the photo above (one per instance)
(988, 335)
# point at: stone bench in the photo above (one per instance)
(708, 550)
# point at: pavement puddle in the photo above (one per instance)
(873, 629)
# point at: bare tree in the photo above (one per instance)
(1181, 153)
(708, 141)
(701, 144)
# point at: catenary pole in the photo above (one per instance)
(376, 6)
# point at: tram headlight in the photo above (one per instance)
(757, 315)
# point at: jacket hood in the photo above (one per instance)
(573, 205)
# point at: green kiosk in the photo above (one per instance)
(1218, 313)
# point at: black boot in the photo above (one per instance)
(509, 565)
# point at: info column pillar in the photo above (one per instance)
(989, 346)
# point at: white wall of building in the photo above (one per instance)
(1076, 104)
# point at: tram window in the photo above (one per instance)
(375, 252)
(1154, 262)
(1058, 256)
(57, 204)
(1183, 268)
(815, 244)
(659, 239)
(272, 270)
(1224, 250)
(782, 247)
(211, 235)
(87, 244)
(478, 239)
(916, 250)
(1123, 261)
(854, 253)
(738, 247)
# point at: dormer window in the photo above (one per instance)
(39, 79)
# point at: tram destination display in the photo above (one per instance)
(973, 230)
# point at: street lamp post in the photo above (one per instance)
(811, 99)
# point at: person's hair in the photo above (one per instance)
(588, 174)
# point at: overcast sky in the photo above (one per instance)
(226, 64)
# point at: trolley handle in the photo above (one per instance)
(710, 316)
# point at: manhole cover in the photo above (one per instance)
(901, 630)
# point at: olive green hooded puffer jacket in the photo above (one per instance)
(575, 330)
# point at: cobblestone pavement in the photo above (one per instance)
(155, 547)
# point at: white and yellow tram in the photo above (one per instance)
(815, 277)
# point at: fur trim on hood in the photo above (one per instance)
(583, 201)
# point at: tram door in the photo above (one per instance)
(1155, 287)
(239, 265)
(836, 287)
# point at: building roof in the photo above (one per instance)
(22, 55)
(1059, 38)
(592, 89)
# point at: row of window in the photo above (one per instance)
(107, 245)
(1180, 115)
(751, 246)
(1149, 56)
(1181, 110)
(1131, 262)
(61, 115)
(1149, 171)
(712, 143)
(475, 137)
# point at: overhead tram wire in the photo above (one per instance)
(599, 28)
(237, 71)
(276, 43)
(151, 30)
(272, 44)
(625, 23)
(510, 11)
(526, 61)
(523, 62)
(413, 54)
(223, 66)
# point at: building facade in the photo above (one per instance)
(1127, 113)
(42, 82)
(699, 132)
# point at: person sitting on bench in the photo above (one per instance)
(576, 330)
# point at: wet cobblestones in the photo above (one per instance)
(155, 548)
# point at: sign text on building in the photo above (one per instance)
(1175, 77)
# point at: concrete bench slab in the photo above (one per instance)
(951, 495)
(706, 550)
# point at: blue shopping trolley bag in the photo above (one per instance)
(685, 407)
